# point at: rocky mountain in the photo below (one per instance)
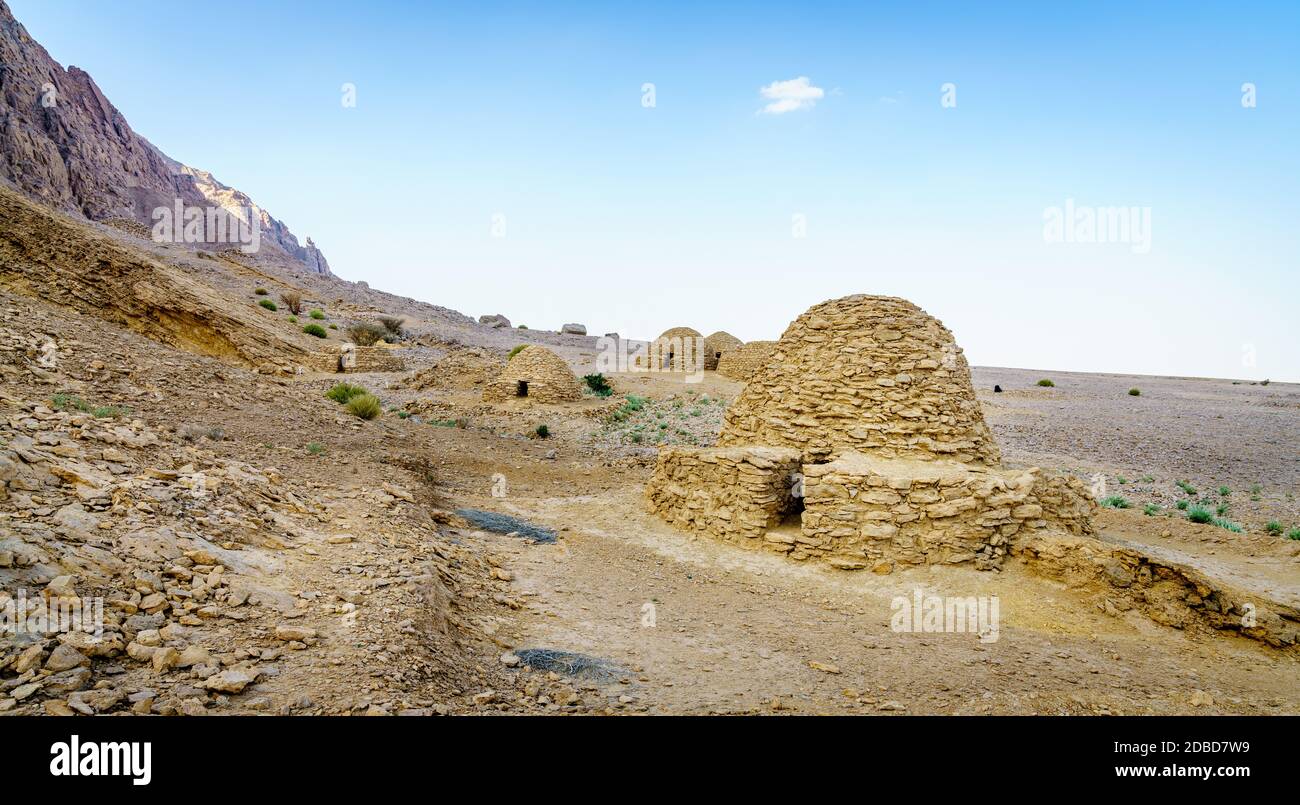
(63, 143)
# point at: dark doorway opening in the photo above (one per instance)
(521, 388)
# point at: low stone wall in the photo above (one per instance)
(365, 359)
(862, 511)
(735, 494)
(740, 363)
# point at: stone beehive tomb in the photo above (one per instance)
(717, 345)
(741, 362)
(537, 374)
(859, 441)
(677, 349)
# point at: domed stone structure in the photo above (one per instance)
(717, 345)
(741, 362)
(862, 423)
(872, 374)
(677, 349)
(537, 374)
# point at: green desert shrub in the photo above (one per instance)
(1135, 392)
(261, 291)
(365, 406)
(598, 384)
(69, 402)
(1187, 488)
(1224, 491)
(542, 432)
(316, 330)
(344, 392)
(516, 351)
(1228, 525)
(315, 448)
(1115, 502)
(1045, 383)
(269, 305)
(1273, 527)
(1293, 533)
(1198, 514)
(1182, 505)
(317, 314)
(1151, 510)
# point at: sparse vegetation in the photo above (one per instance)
(1273, 527)
(393, 331)
(1045, 383)
(365, 333)
(293, 319)
(599, 385)
(364, 406)
(344, 392)
(1187, 488)
(293, 301)
(516, 351)
(1135, 392)
(261, 291)
(1150, 510)
(70, 402)
(1199, 514)
(269, 305)
(1224, 491)
(317, 314)
(1228, 525)
(316, 330)
(542, 432)
(1221, 509)
(1115, 502)
(1182, 505)
(315, 448)
(1293, 533)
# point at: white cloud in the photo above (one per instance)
(787, 96)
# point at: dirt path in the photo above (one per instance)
(707, 627)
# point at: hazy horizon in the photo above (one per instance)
(519, 167)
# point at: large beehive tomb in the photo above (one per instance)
(535, 374)
(862, 426)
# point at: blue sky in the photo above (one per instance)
(636, 219)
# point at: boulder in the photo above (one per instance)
(495, 321)
(574, 329)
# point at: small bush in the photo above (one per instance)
(365, 406)
(68, 402)
(1151, 510)
(1135, 392)
(1224, 491)
(260, 292)
(1115, 502)
(1045, 383)
(516, 351)
(1273, 527)
(1121, 479)
(269, 305)
(365, 333)
(315, 448)
(1221, 509)
(1187, 488)
(523, 327)
(542, 431)
(1293, 533)
(1227, 525)
(317, 314)
(1197, 514)
(1182, 505)
(316, 330)
(344, 392)
(599, 385)
(392, 325)
(293, 319)
(293, 301)
(334, 326)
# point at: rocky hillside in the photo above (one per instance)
(63, 143)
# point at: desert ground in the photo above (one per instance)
(261, 550)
